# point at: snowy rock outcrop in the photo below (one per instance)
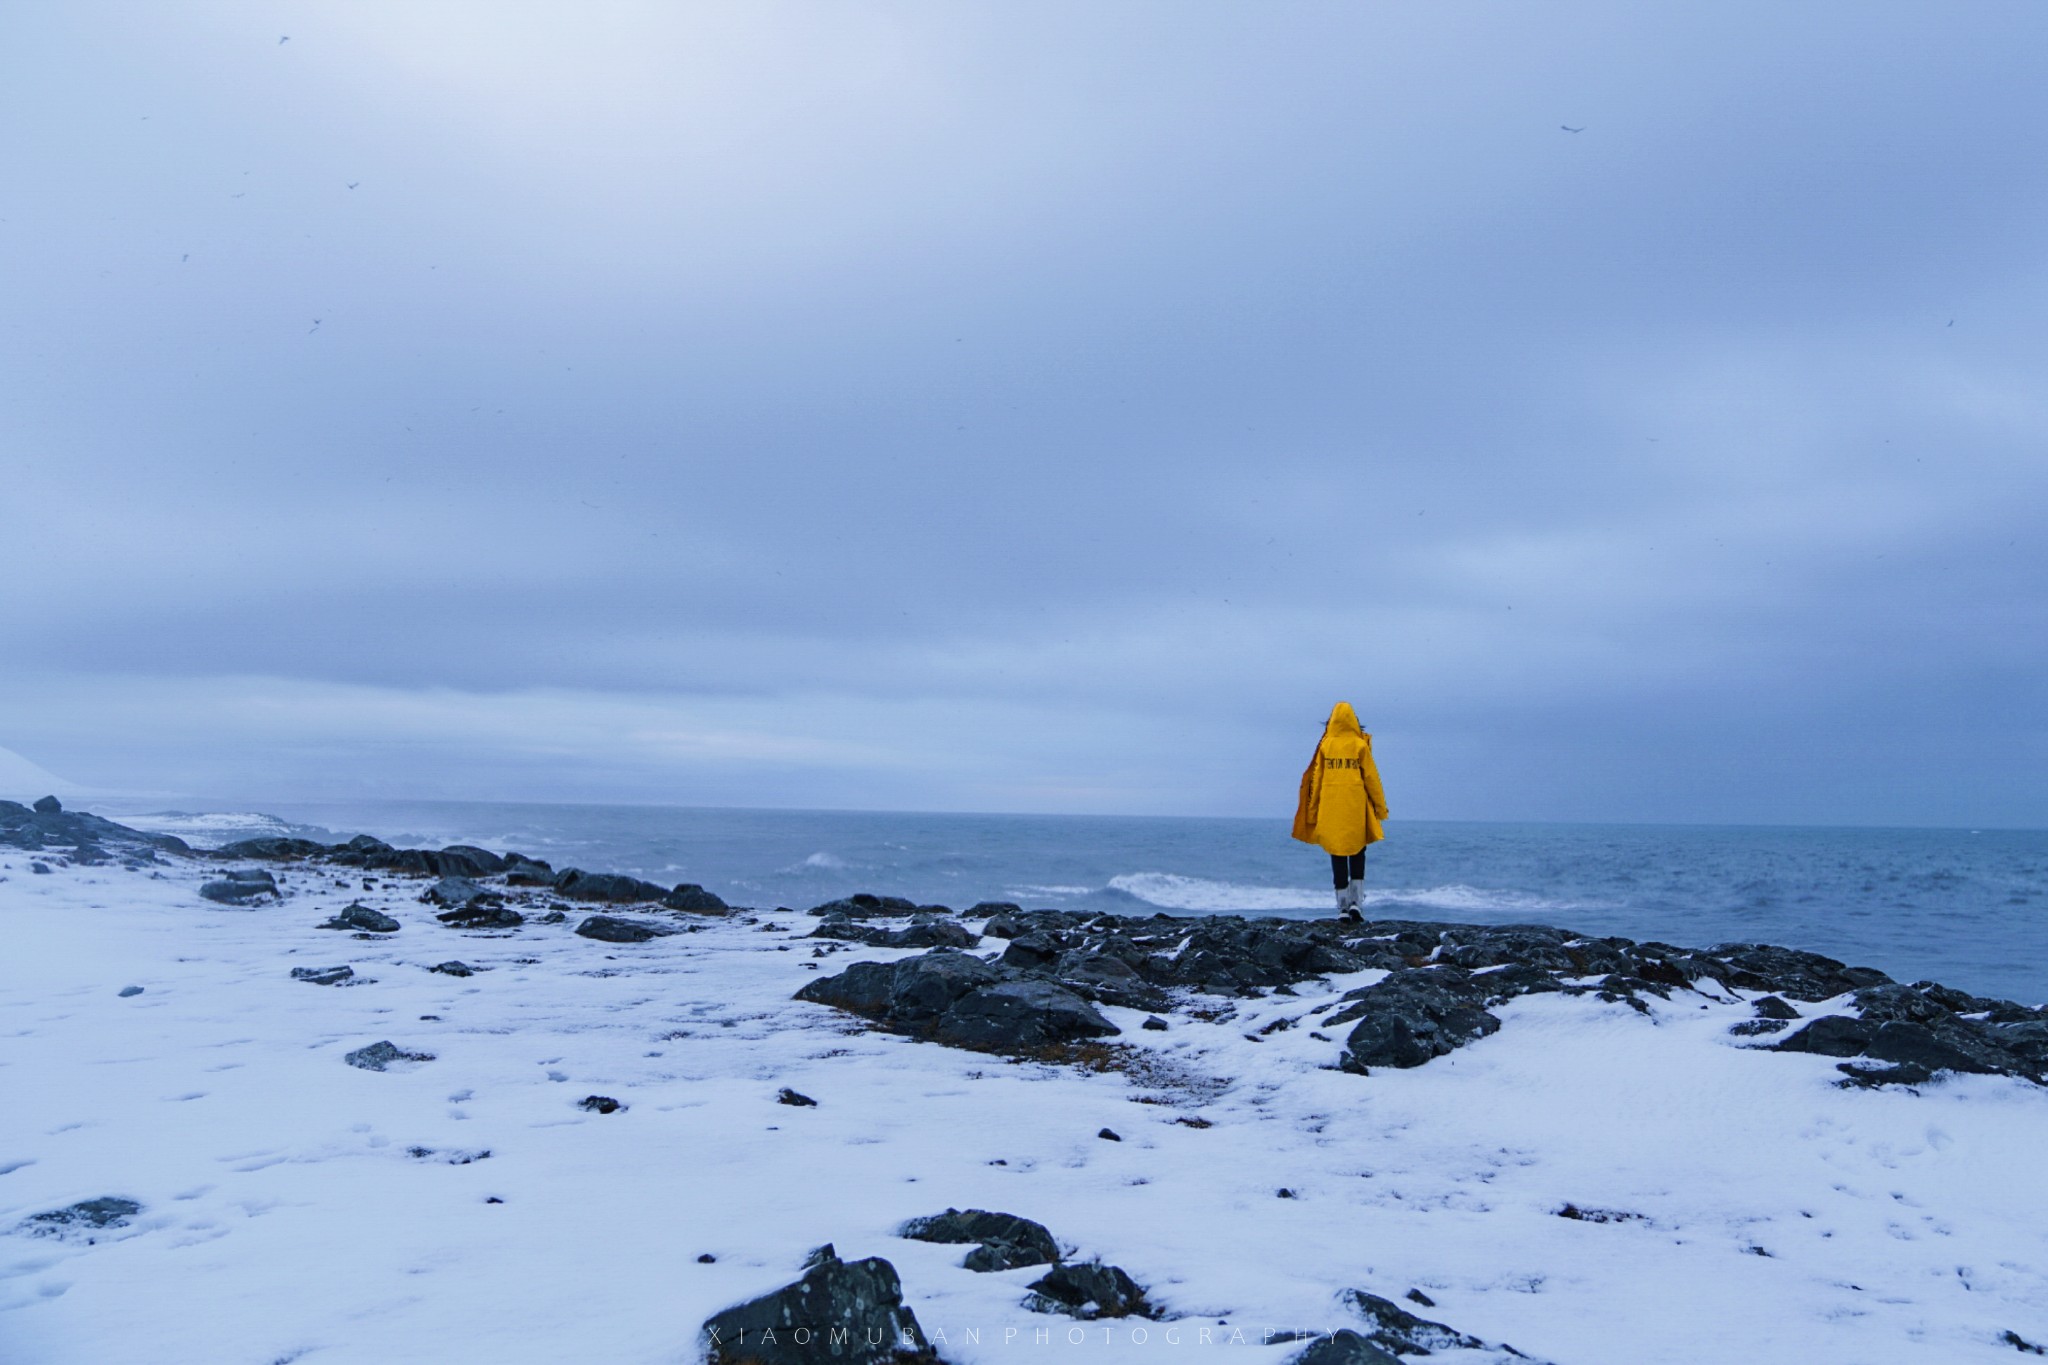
(952, 997)
(848, 1312)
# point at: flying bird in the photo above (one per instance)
(1569, 129)
(282, 41)
(314, 328)
(353, 183)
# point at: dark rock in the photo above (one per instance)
(954, 998)
(1005, 925)
(416, 862)
(599, 1104)
(861, 905)
(1835, 1035)
(2021, 1344)
(1014, 1015)
(377, 1056)
(128, 991)
(243, 886)
(95, 1215)
(459, 891)
(793, 1097)
(453, 969)
(1109, 1135)
(1087, 1289)
(524, 871)
(482, 915)
(1003, 1241)
(324, 976)
(1750, 1028)
(39, 869)
(707, 1259)
(276, 848)
(33, 829)
(848, 1312)
(357, 851)
(1919, 1037)
(1031, 952)
(1394, 1329)
(1412, 1016)
(609, 887)
(1155, 1023)
(48, 805)
(364, 920)
(928, 933)
(1771, 1007)
(467, 860)
(1342, 1347)
(991, 909)
(1417, 1296)
(694, 899)
(1789, 972)
(613, 929)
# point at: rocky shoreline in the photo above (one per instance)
(1041, 989)
(1041, 986)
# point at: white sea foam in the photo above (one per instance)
(1050, 890)
(825, 860)
(1171, 891)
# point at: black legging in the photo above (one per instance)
(1346, 870)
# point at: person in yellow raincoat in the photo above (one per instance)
(1342, 804)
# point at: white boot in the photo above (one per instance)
(1347, 902)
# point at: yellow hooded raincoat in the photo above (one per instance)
(1342, 803)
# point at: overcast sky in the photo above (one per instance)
(1038, 406)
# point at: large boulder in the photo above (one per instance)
(609, 887)
(1412, 1016)
(467, 860)
(358, 851)
(955, 998)
(521, 870)
(1002, 1241)
(695, 899)
(1026, 1015)
(846, 1312)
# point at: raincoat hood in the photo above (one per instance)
(1343, 720)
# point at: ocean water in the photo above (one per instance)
(1965, 907)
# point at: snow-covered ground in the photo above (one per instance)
(295, 1208)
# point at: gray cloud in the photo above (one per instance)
(1037, 408)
